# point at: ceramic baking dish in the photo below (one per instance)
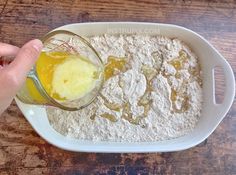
(212, 113)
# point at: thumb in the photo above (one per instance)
(25, 59)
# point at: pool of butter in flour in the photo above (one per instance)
(152, 91)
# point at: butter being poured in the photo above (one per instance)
(66, 77)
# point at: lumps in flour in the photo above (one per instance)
(157, 97)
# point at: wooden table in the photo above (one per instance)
(22, 151)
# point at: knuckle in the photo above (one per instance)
(11, 79)
(29, 52)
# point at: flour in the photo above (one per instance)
(161, 70)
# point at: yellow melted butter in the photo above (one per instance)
(73, 78)
(63, 76)
(114, 65)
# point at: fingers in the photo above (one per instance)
(13, 76)
(25, 59)
(8, 50)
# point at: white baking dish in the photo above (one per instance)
(212, 113)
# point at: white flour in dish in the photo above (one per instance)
(175, 93)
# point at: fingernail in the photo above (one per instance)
(37, 44)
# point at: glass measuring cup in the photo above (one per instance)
(33, 91)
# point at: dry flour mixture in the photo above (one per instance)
(156, 95)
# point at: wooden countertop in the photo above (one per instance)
(22, 151)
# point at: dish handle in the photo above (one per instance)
(229, 91)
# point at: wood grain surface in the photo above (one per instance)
(22, 151)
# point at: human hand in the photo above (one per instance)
(13, 76)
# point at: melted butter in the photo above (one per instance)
(180, 60)
(147, 108)
(173, 95)
(145, 101)
(110, 117)
(45, 67)
(64, 76)
(127, 115)
(116, 65)
(145, 98)
(113, 66)
(112, 106)
(149, 73)
(194, 72)
(158, 60)
(184, 106)
(178, 63)
(92, 117)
